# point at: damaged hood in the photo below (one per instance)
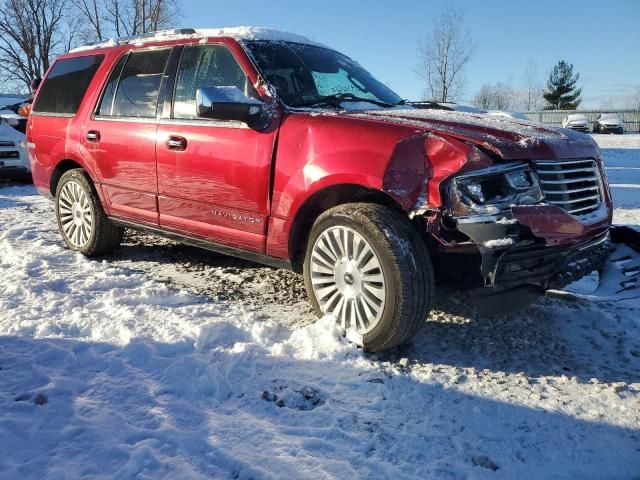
(506, 138)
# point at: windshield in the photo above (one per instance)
(305, 75)
(577, 117)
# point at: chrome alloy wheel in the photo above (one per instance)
(75, 214)
(347, 279)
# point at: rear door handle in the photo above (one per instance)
(93, 136)
(177, 143)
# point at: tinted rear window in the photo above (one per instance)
(65, 86)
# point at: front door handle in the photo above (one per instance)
(93, 136)
(176, 143)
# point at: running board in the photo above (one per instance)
(207, 245)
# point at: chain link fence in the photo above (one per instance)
(554, 117)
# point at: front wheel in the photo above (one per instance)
(82, 221)
(366, 265)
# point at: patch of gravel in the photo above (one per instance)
(222, 278)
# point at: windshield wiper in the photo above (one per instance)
(336, 99)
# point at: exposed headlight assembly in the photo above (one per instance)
(493, 190)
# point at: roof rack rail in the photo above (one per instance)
(146, 36)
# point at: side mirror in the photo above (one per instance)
(228, 103)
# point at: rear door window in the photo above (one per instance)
(66, 84)
(138, 86)
(105, 107)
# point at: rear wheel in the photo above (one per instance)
(82, 221)
(367, 266)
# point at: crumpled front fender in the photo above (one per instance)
(419, 165)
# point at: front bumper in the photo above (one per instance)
(14, 172)
(549, 267)
(541, 246)
(13, 160)
(579, 128)
(610, 128)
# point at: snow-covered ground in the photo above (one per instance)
(164, 361)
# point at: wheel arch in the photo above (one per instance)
(60, 169)
(323, 200)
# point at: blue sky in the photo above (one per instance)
(601, 38)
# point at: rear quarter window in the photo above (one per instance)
(65, 86)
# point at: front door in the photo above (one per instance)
(121, 135)
(213, 176)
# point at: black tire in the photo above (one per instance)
(405, 263)
(104, 236)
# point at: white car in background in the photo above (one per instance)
(12, 118)
(609, 123)
(14, 157)
(576, 121)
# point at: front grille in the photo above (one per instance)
(5, 143)
(573, 185)
(9, 155)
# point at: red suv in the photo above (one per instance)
(271, 147)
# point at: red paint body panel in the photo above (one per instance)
(279, 236)
(195, 219)
(506, 139)
(243, 187)
(224, 170)
(318, 151)
(125, 159)
(48, 140)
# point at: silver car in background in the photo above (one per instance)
(609, 123)
(576, 121)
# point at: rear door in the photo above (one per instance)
(121, 135)
(213, 175)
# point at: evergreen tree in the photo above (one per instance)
(562, 93)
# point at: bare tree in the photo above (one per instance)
(607, 104)
(635, 99)
(484, 98)
(93, 12)
(499, 96)
(443, 56)
(502, 96)
(32, 33)
(107, 18)
(531, 88)
(635, 104)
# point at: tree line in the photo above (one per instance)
(34, 32)
(445, 52)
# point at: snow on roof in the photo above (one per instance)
(242, 34)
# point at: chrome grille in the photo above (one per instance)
(573, 185)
